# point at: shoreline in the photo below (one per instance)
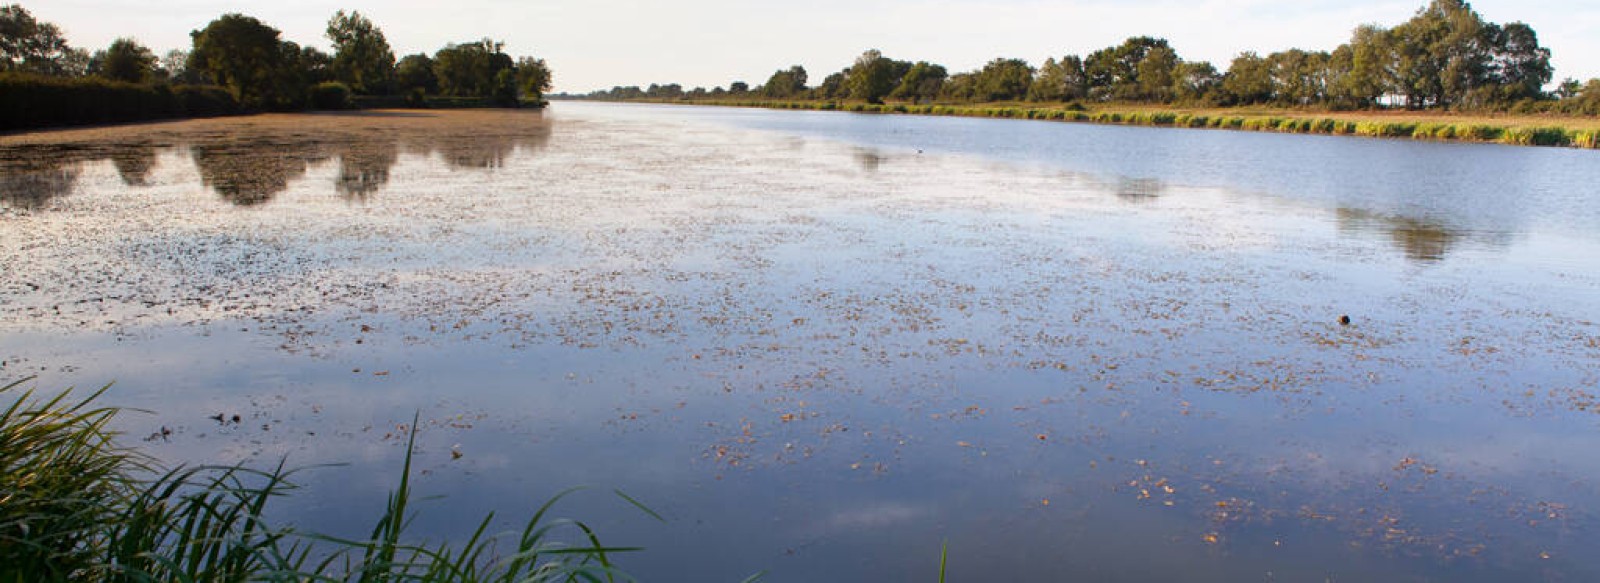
(1512, 131)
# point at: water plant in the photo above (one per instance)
(75, 505)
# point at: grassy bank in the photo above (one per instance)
(1564, 131)
(75, 505)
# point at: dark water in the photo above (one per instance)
(822, 345)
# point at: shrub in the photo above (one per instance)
(330, 95)
(33, 101)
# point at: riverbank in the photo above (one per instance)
(1518, 130)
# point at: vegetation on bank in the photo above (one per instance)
(30, 101)
(75, 505)
(1526, 130)
(248, 61)
(1445, 58)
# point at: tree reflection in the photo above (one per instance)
(364, 167)
(869, 160)
(31, 177)
(252, 174)
(485, 147)
(134, 163)
(250, 163)
(1137, 190)
(1421, 240)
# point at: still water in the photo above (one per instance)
(822, 345)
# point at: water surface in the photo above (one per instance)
(823, 344)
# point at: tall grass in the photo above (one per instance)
(74, 505)
(1288, 122)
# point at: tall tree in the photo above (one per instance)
(1194, 82)
(872, 77)
(1373, 63)
(784, 83)
(1156, 74)
(362, 58)
(29, 45)
(247, 57)
(533, 78)
(125, 60)
(1004, 80)
(1520, 66)
(1113, 72)
(1062, 80)
(1248, 81)
(416, 72)
(921, 83)
(470, 69)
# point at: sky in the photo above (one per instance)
(597, 44)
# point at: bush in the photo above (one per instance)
(33, 101)
(330, 95)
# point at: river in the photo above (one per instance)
(823, 345)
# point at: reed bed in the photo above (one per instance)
(75, 505)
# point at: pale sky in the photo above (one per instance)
(596, 44)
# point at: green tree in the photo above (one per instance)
(1298, 77)
(416, 72)
(738, 88)
(1004, 80)
(470, 69)
(313, 66)
(125, 60)
(872, 77)
(1047, 84)
(1372, 70)
(362, 58)
(32, 46)
(1194, 82)
(533, 78)
(1113, 72)
(961, 88)
(1520, 66)
(1062, 80)
(833, 86)
(1156, 74)
(786, 83)
(1443, 54)
(1248, 81)
(246, 56)
(176, 66)
(921, 83)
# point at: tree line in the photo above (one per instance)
(1446, 56)
(262, 70)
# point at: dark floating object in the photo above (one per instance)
(1344, 320)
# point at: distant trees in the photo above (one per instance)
(125, 60)
(246, 56)
(362, 58)
(534, 77)
(1062, 80)
(415, 73)
(921, 83)
(786, 83)
(31, 46)
(874, 76)
(1445, 56)
(1003, 80)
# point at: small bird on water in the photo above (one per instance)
(1344, 320)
